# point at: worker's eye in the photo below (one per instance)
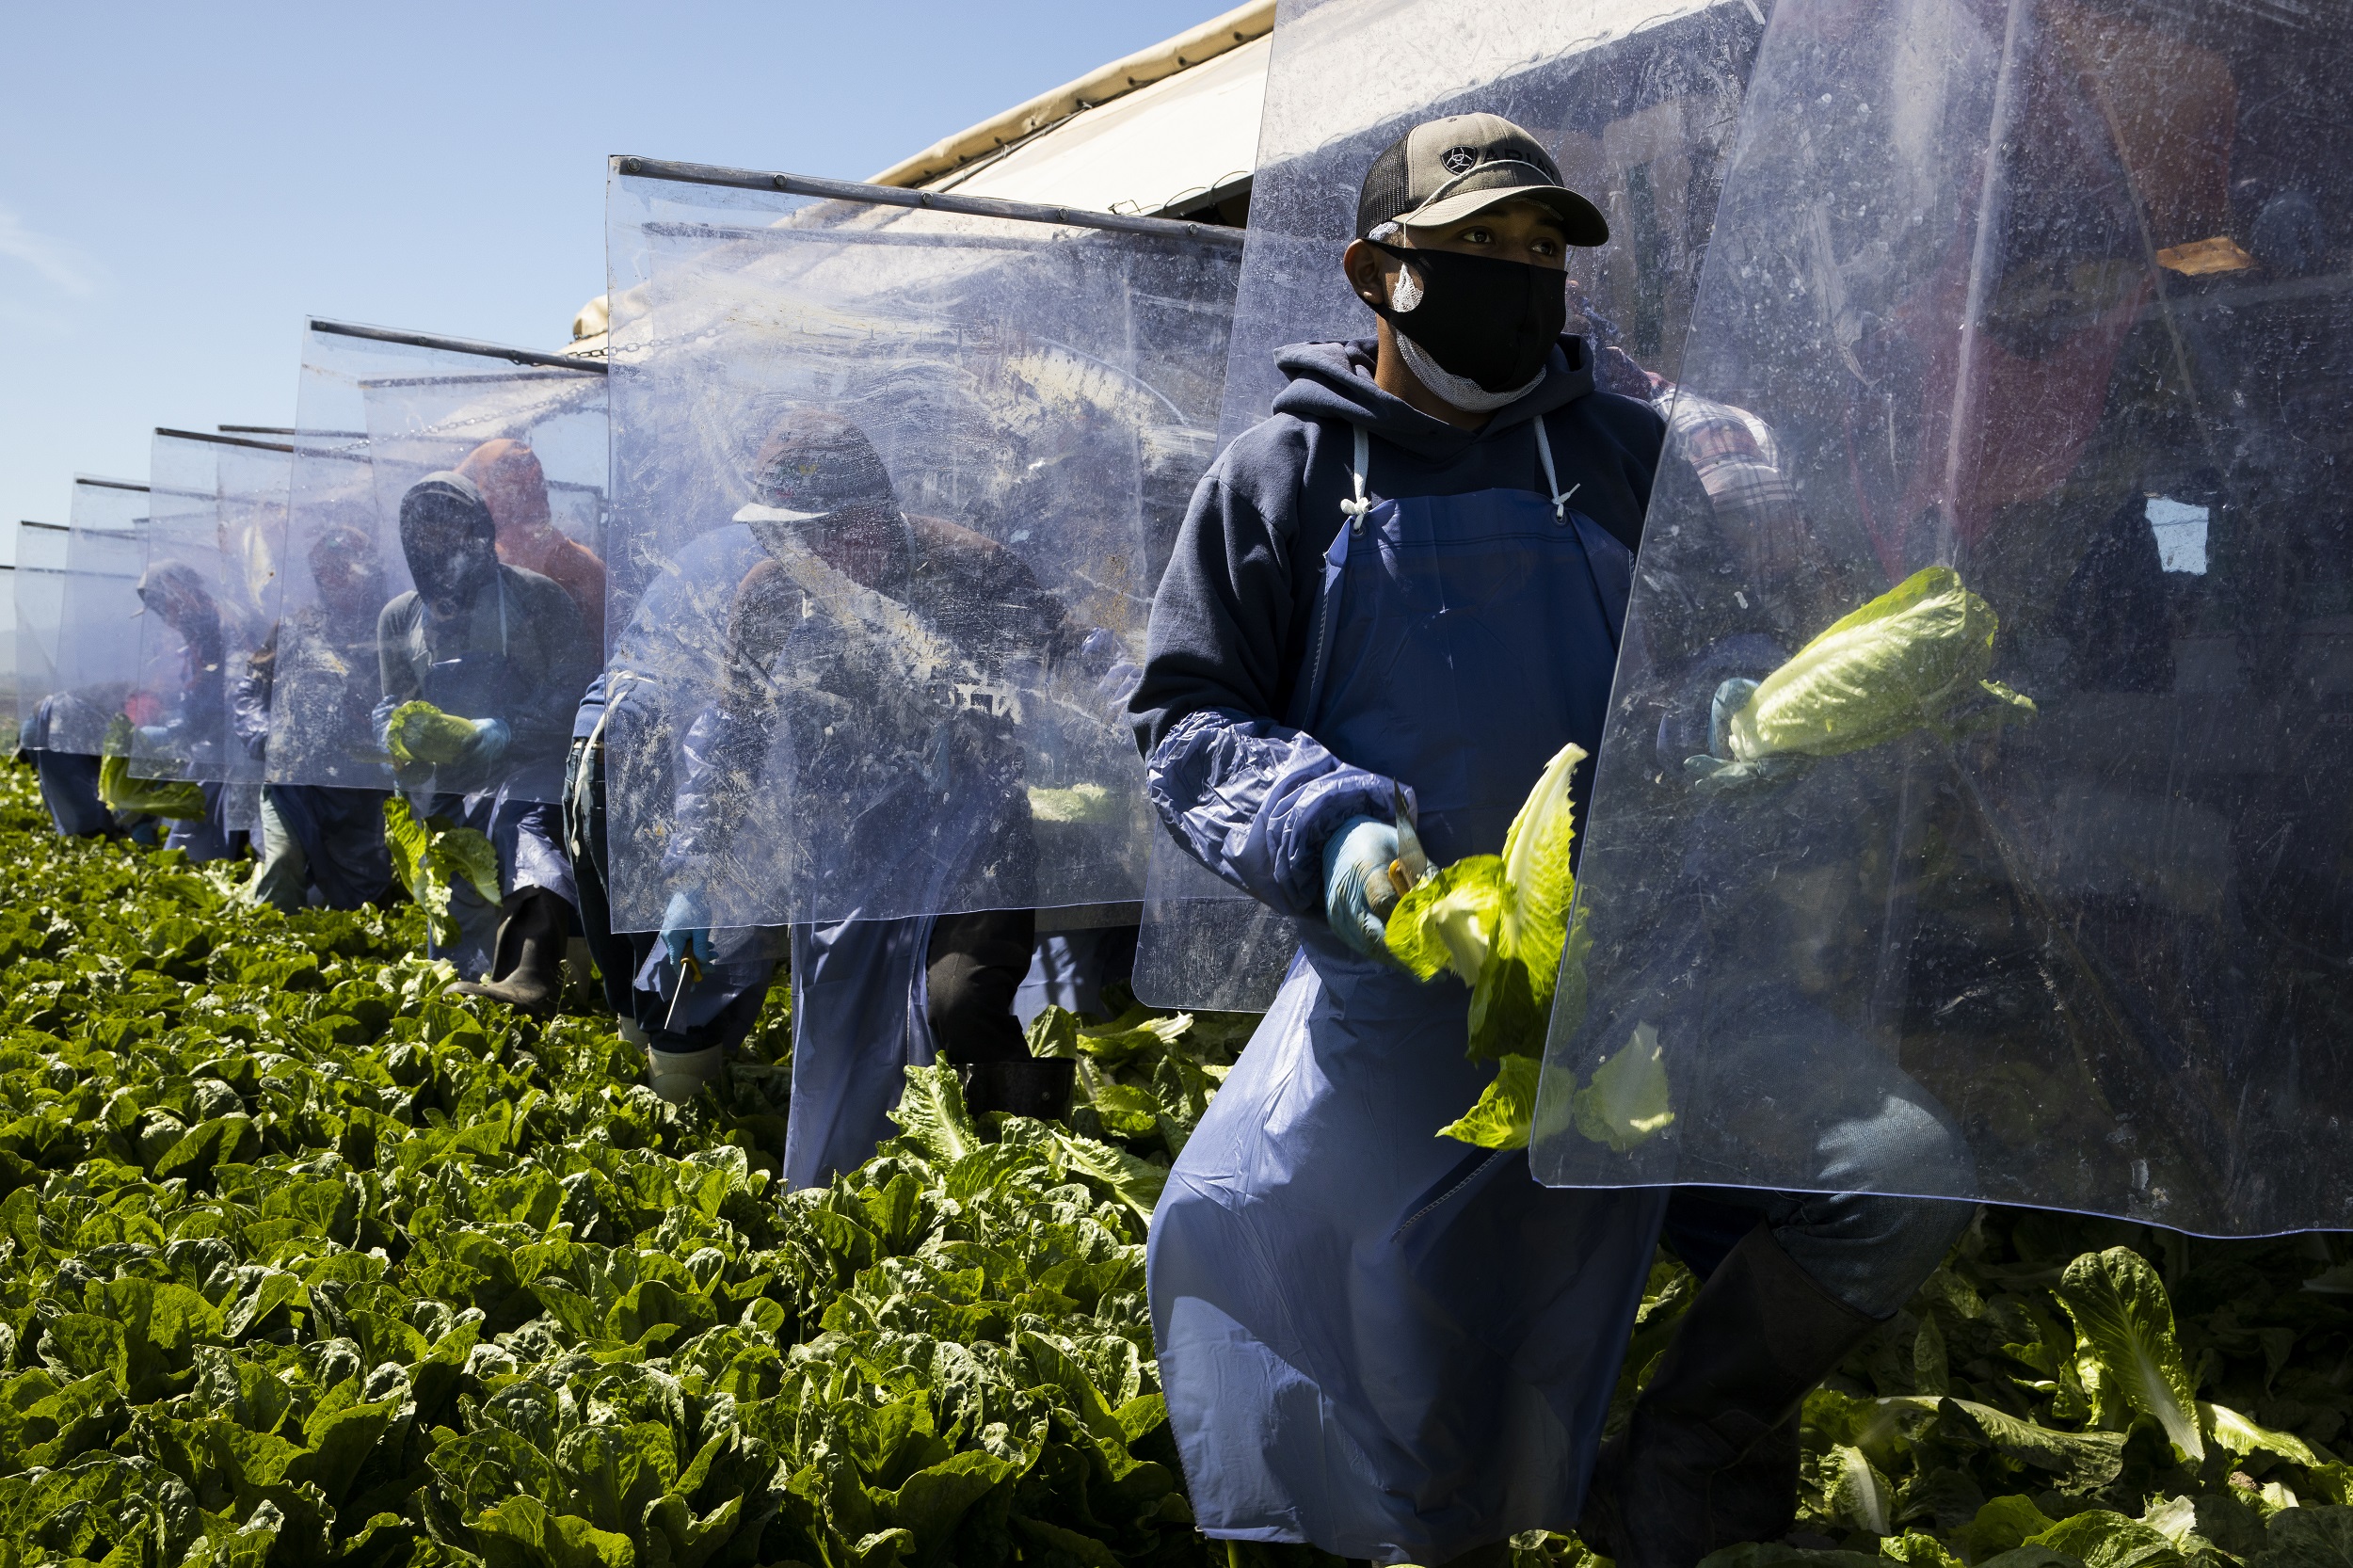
(1478, 236)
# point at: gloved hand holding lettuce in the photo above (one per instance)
(173, 798)
(1914, 657)
(1500, 923)
(420, 732)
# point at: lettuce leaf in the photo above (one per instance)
(1626, 1102)
(431, 856)
(2126, 1350)
(1506, 1109)
(1449, 921)
(1512, 1004)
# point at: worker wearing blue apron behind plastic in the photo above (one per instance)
(871, 998)
(505, 649)
(1403, 593)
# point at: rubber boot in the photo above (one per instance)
(1710, 1457)
(679, 1076)
(1035, 1086)
(528, 964)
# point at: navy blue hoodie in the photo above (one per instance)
(1230, 773)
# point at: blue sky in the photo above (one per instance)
(180, 186)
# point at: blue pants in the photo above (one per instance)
(1870, 1251)
(208, 837)
(313, 836)
(69, 787)
(1812, 1094)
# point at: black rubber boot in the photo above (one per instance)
(1710, 1458)
(1035, 1086)
(527, 967)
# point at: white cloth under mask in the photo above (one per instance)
(1460, 390)
(754, 512)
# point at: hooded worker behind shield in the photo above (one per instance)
(1393, 602)
(847, 642)
(319, 840)
(191, 728)
(505, 649)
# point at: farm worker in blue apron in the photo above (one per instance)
(1403, 593)
(828, 566)
(505, 649)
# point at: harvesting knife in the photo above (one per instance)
(1411, 865)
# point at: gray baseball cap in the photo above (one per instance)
(1445, 170)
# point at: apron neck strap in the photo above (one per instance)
(1552, 479)
(1354, 510)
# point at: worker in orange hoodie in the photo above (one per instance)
(509, 474)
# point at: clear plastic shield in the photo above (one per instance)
(892, 490)
(2023, 874)
(199, 626)
(37, 593)
(98, 657)
(10, 710)
(1639, 103)
(415, 452)
(254, 477)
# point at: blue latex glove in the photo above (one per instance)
(686, 928)
(1357, 894)
(491, 740)
(1716, 773)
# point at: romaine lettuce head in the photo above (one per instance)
(176, 800)
(1448, 920)
(1877, 673)
(173, 798)
(420, 732)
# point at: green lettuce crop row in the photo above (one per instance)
(300, 1264)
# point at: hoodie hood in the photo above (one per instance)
(1333, 381)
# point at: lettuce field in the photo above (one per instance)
(300, 1264)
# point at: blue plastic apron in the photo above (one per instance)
(860, 1018)
(1373, 1339)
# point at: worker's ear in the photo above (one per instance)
(1367, 272)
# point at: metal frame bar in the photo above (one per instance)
(261, 429)
(222, 440)
(460, 346)
(53, 527)
(940, 201)
(109, 484)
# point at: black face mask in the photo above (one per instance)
(1483, 318)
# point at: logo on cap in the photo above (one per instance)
(1460, 160)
